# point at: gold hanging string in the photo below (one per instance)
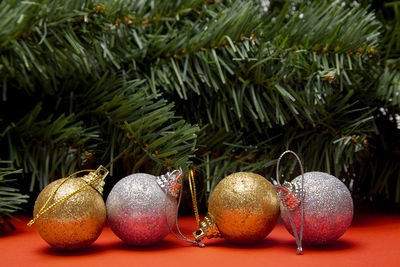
(43, 210)
(193, 194)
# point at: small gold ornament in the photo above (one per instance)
(70, 213)
(243, 208)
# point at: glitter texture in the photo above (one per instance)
(137, 210)
(328, 209)
(75, 223)
(245, 207)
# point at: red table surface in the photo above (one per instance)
(372, 240)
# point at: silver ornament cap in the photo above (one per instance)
(171, 182)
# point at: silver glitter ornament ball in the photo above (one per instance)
(137, 210)
(328, 209)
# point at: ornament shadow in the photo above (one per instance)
(162, 245)
(92, 249)
(341, 244)
(265, 243)
(338, 245)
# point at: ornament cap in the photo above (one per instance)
(171, 182)
(96, 178)
(290, 194)
(208, 228)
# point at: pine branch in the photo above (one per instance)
(10, 198)
(311, 79)
(128, 117)
(113, 116)
(49, 148)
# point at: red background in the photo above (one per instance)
(372, 240)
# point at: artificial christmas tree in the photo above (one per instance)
(223, 86)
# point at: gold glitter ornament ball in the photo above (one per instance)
(245, 207)
(74, 223)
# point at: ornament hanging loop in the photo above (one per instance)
(95, 178)
(290, 201)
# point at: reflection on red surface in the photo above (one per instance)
(372, 240)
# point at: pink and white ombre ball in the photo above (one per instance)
(141, 208)
(328, 209)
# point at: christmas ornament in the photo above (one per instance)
(328, 208)
(141, 208)
(70, 213)
(243, 208)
